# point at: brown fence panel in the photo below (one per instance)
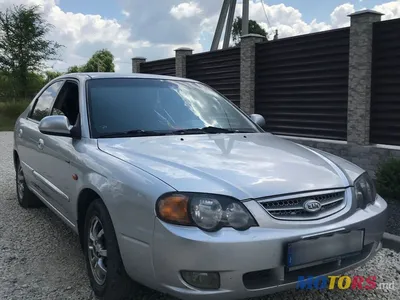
(302, 84)
(219, 69)
(385, 98)
(159, 67)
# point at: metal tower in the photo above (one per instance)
(229, 7)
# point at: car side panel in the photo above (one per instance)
(58, 167)
(30, 155)
(129, 194)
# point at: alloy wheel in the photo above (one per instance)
(97, 250)
(20, 183)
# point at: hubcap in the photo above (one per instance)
(97, 251)
(20, 183)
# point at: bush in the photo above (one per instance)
(9, 112)
(388, 179)
(13, 109)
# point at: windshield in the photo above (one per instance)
(129, 105)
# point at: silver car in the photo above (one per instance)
(170, 185)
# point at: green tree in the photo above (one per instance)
(35, 82)
(24, 46)
(6, 87)
(254, 28)
(101, 61)
(74, 69)
(50, 75)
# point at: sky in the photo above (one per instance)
(154, 28)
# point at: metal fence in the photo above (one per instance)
(219, 69)
(385, 98)
(160, 67)
(302, 84)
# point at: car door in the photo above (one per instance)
(60, 152)
(30, 148)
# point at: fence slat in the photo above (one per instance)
(218, 69)
(302, 84)
(385, 97)
(159, 67)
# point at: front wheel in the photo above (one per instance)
(107, 274)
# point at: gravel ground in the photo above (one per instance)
(40, 257)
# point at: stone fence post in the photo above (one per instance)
(180, 61)
(136, 62)
(248, 70)
(360, 67)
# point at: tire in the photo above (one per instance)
(115, 284)
(26, 198)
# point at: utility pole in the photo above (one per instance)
(229, 22)
(245, 17)
(229, 6)
(220, 24)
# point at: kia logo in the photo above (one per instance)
(312, 205)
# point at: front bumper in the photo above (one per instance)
(258, 252)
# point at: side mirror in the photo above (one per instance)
(258, 119)
(58, 126)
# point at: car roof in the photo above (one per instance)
(94, 75)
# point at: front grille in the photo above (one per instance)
(292, 207)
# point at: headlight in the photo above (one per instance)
(206, 211)
(365, 190)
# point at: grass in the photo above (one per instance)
(9, 112)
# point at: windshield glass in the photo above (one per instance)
(125, 105)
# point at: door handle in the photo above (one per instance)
(20, 132)
(40, 144)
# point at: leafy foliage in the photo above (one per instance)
(254, 28)
(50, 75)
(24, 47)
(13, 110)
(74, 69)
(388, 179)
(9, 112)
(101, 61)
(8, 87)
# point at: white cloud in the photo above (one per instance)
(163, 26)
(83, 34)
(390, 10)
(288, 20)
(339, 16)
(185, 10)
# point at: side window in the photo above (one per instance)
(43, 104)
(67, 102)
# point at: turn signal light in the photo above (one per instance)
(174, 209)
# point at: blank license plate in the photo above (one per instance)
(323, 249)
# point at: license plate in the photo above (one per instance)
(322, 249)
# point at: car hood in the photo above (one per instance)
(241, 165)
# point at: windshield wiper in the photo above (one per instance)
(209, 129)
(132, 133)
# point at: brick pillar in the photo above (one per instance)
(136, 62)
(180, 61)
(360, 66)
(248, 70)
